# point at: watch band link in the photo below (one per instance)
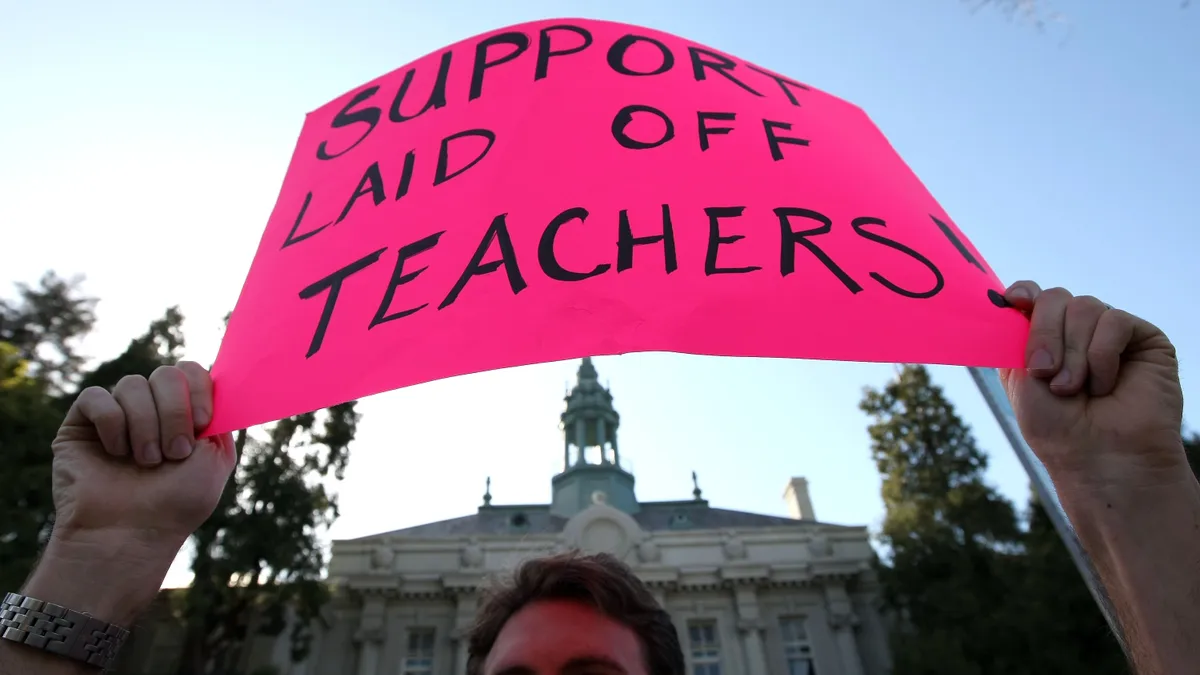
(58, 630)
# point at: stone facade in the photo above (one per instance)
(750, 594)
(766, 590)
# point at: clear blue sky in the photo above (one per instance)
(142, 144)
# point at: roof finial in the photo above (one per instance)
(587, 371)
(487, 495)
(695, 487)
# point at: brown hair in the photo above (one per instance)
(601, 581)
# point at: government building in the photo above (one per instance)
(750, 594)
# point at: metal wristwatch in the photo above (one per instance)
(57, 630)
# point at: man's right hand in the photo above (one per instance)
(1100, 402)
(1102, 407)
(128, 469)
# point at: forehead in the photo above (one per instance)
(547, 636)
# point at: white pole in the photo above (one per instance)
(988, 381)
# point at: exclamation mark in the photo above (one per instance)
(993, 295)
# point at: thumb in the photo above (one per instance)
(217, 455)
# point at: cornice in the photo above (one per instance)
(742, 574)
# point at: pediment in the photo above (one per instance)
(603, 529)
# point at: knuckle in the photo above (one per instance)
(1164, 339)
(129, 383)
(168, 375)
(109, 418)
(1082, 321)
(93, 395)
(1171, 355)
(1110, 321)
(1085, 304)
(196, 376)
(99, 407)
(1123, 318)
(1056, 293)
(140, 421)
(170, 388)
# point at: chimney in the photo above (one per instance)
(799, 503)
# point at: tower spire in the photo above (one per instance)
(587, 371)
(591, 456)
(589, 421)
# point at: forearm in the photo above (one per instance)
(113, 584)
(1144, 540)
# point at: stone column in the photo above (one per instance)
(843, 621)
(369, 636)
(458, 640)
(752, 646)
(368, 653)
(466, 604)
(751, 627)
(843, 631)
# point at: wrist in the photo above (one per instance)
(110, 576)
(1135, 505)
(1098, 472)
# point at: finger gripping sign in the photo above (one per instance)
(571, 187)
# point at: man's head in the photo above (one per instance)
(573, 614)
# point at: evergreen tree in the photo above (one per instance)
(45, 324)
(952, 541)
(28, 419)
(258, 560)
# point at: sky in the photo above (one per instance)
(142, 144)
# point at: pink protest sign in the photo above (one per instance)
(569, 188)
